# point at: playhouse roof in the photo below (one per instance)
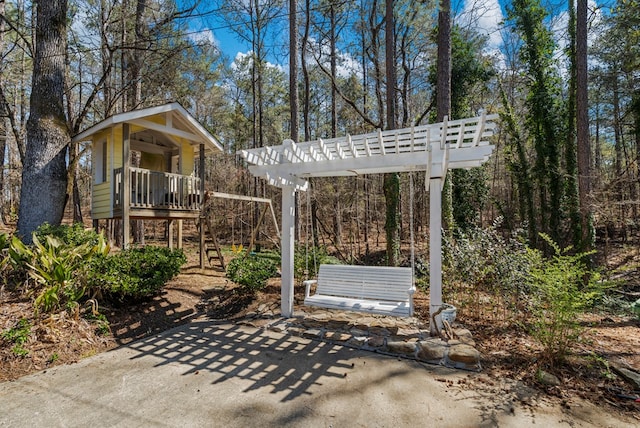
(161, 126)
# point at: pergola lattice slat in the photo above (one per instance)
(466, 142)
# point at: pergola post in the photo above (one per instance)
(288, 250)
(435, 248)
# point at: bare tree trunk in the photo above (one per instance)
(293, 67)
(582, 124)
(619, 147)
(3, 125)
(337, 208)
(106, 58)
(293, 88)
(44, 174)
(443, 95)
(571, 152)
(134, 93)
(391, 180)
(305, 73)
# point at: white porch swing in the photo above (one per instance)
(383, 290)
(433, 148)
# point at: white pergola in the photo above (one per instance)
(433, 148)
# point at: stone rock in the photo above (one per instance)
(247, 323)
(337, 324)
(376, 342)
(630, 375)
(407, 332)
(357, 341)
(296, 331)
(404, 348)
(464, 336)
(260, 322)
(312, 323)
(359, 332)
(278, 328)
(464, 354)
(431, 350)
(379, 331)
(313, 333)
(320, 317)
(337, 336)
(547, 379)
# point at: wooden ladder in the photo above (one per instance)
(206, 220)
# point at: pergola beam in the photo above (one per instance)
(464, 157)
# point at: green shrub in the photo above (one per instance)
(306, 262)
(562, 287)
(135, 273)
(72, 235)
(53, 269)
(635, 308)
(59, 270)
(252, 272)
(486, 272)
(101, 322)
(15, 263)
(18, 335)
(5, 243)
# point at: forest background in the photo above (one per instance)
(114, 56)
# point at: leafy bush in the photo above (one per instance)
(72, 235)
(18, 335)
(135, 273)
(58, 270)
(486, 271)
(252, 272)
(562, 286)
(5, 243)
(635, 308)
(61, 270)
(306, 262)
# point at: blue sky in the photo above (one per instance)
(483, 15)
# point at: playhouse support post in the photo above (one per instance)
(201, 203)
(126, 184)
(288, 237)
(435, 249)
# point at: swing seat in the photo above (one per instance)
(372, 289)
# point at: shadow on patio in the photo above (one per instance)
(280, 363)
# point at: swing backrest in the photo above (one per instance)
(365, 282)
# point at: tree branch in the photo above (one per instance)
(347, 100)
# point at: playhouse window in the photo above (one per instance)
(101, 162)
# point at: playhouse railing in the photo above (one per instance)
(158, 190)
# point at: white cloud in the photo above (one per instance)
(242, 56)
(346, 64)
(560, 29)
(485, 17)
(204, 36)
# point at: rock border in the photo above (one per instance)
(401, 337)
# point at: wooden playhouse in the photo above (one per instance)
(167, 181)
